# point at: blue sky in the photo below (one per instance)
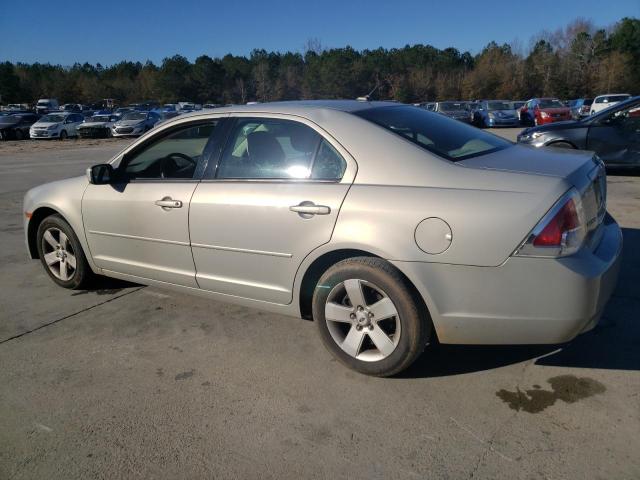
(113, 30)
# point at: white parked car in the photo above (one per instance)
(57, 125)
(607, 100)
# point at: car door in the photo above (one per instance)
(616, 138)
(139, 224)
(272, 198)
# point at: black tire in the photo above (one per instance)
(19, 134)
(414, 321)
(561, 145)
(63, 135)
(82, 274)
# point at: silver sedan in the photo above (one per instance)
(388, 225)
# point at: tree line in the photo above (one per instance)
(575, 61)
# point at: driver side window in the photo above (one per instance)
(174, 156)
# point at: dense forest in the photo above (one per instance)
(578, 60)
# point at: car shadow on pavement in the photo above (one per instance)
(613, 344)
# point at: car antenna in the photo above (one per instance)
(367, 97)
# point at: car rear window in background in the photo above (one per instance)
(439, 134)
(451, 106)
(499, 106)
(545, 103)
(612, 98)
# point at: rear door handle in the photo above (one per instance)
(167, 203)
(308, 209)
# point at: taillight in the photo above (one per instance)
(561, 231)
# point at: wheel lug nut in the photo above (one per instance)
(352, 316)
(358, 327)
(370, 327)
(359, 307)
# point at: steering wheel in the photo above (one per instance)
(169, 165)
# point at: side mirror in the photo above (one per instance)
(101, 174)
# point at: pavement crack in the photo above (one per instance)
(53, 322)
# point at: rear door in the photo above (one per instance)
(272, 198)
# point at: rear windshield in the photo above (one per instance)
(439, 134)
(499, 106)
(548, 103)
(612, 98)
(451, 106)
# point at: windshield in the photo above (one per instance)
(439, 134)
(499, 106)
(517, 105)
(134, 116)
(452, 106)
(52, 119)
(44, 103)
(551, 103)
(99, 118)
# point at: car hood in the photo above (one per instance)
(44, 124)
(95, 124)
(504, 113)
(555, 110)
(550, 127)
(554, 162)
(128, 123)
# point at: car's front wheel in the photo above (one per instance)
(63, 135)
(61, 254)
(368, 316)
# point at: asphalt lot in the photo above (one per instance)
(134, 382)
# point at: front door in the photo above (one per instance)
(616, 138)
(139, 225)
(273, 198)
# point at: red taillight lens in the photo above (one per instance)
(565, 220)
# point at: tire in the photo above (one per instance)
(63, 135)
(19, 134)
(379, 339)
(57, 245)
(561, 145)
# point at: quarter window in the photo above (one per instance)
(174, 156)
(278, 149)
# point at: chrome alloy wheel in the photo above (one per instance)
(362, 320)
(58, 254)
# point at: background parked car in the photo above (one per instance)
(71, 107)
(454, 109)
(16, 126)
(580, 107)
(540, 111)
(605, 101)
(135, 124)
(98, 126)
(614, 134)
(495, 113)
(57, 125)
(46, 105)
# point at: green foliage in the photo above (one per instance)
(577, 61)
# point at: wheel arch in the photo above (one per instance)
(325, 261)
(554, 142)
(37, 216)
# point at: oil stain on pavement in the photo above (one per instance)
(567, 388)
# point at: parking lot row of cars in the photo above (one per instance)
(515, 113)
(50, 120)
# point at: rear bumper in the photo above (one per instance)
(523, 301)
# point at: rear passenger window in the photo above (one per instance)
(328, 164)
(278, 149)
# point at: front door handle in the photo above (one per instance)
(167, 203)
(309, 209)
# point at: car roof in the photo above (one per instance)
(299, 106)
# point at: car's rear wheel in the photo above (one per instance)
(61, 254)
(63, 135)
(368, 317)
(19, 134)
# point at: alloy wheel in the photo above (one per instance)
(58, 254)
(362, 320)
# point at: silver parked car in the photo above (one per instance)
(386, 224)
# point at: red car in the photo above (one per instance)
(540, 111)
